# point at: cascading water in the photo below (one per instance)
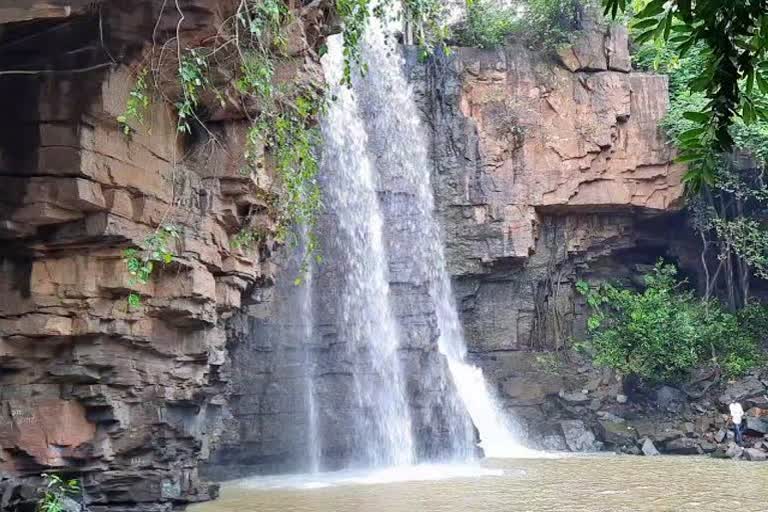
(384, 294)
(393, 122)
(365, 321)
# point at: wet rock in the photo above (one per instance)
(554, 442)
(578, 437)
(708, 446)
(683, 446)
(755, 455)
(648, 448)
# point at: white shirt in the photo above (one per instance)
(736, 412)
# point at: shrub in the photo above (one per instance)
(664, 331)
(543, 24)
(488, 25)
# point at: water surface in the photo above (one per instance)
(571, 484)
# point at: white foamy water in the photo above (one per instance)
(392, 474)
(404, 159)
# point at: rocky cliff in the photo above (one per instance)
(548, 169)
(128, 397)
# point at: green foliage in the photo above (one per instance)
(664, 331)
(731, 39)
(426, 17)
(140, 263)
(488, 24)
(56, 489)
(354, 14)
(550, 24)
(194, 79)
(137, 104)
(542, 24)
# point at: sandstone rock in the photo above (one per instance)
(649, 449)
(617, 48)
(578, 437)
(133, 396)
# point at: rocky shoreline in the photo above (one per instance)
(603, 412)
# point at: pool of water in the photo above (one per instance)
(562, 484)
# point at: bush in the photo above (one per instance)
(663, 332)
(488, 25)
(545, 24)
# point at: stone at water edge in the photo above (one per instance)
(721, 435)
(683, 446)
(734, 451)
(578, 437)
(649, 449)
(755, 455)
(554, 442)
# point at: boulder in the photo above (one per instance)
(670, 399)
(683, 446)
(554, 442)
(741, 390)
(578, 437)
(757, 425)
(574, 397)
(755, 455)
(734, 451)
(618, 433)
(721, 435)
(649, 449)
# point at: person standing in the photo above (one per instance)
(737, 415)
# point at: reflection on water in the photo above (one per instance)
(571, 484)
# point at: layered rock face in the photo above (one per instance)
(128, 397)
(548, 169)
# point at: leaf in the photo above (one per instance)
(655, 7)
(694, 133)
(697, 117)
(644, 24)
(762, 83)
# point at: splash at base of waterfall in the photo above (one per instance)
(393, 474)
(498, 434)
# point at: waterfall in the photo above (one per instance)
(366, 323)
(390, 384)
(394, 120)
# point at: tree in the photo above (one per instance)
(733, 40)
